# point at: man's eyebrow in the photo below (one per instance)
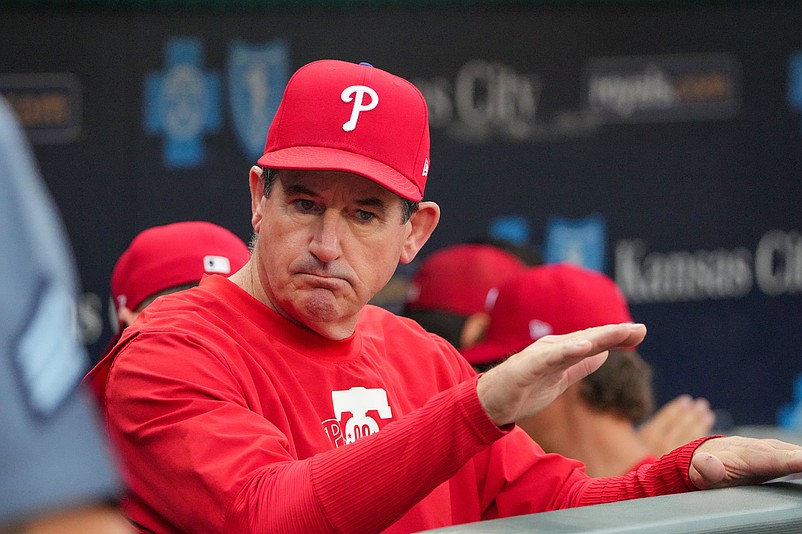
(372, 202)
(299, 189)
(376, 203)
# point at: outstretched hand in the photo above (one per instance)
(679, 421)
(738, 461)
(527, 382)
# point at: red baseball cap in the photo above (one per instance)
(557, 298)
(459, 278)
(349, 117)
(171, 255)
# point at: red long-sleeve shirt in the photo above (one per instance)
(231, 419)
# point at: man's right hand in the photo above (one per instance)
(529, 381)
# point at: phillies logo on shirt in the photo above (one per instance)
(360, 403)
(356, 94)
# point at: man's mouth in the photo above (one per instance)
(323, 281)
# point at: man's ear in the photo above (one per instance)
(257, 185)
(126, 316)
(474, 329)
(422, 224)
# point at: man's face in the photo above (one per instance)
(328, 241)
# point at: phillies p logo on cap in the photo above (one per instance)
(356, 93)
(341, 116)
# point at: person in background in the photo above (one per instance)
(595, 420)
(168, 258)
(454, 287)
(278, 400)
(678, 421)
(57, 474)
(448, 294)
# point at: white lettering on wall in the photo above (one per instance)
(778, 263)
(494, 95)
(710, 274)
(681, 275)
(650, 89)
(489, 100)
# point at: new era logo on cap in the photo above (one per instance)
(341, 116)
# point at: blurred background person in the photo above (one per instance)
(595, 420)
(56, 472)
(448, 293)
(168, 258)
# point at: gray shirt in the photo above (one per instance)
(52, 450)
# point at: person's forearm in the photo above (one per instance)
(369, 484)
(666, 476)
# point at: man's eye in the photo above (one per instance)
(365, 216)
(305, 204)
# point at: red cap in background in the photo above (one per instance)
(458, 278)
(174, 254)
(557, 298)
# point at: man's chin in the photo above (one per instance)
(321, 311)
(318, 305)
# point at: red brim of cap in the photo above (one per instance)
(313, 158)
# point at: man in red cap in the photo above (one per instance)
(595, 419)
(168, 258)
(278, 400)
(449, 293)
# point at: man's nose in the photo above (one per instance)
(325, 244)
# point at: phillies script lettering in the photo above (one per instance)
(355, 408)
